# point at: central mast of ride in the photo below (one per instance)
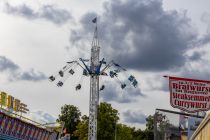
(94, 70)
(94, 86)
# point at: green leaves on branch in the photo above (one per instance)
(71, 116)
(107, 120)
(108, 128)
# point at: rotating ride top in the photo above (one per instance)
(94, 71)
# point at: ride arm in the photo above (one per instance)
(99, 67)
(76, 63)
(86, 67)
(106, 67)
(80, 65)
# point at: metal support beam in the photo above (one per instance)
(94, 88)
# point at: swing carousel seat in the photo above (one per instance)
(123, 86)
(112, 74)
(52, 78)
(78, 87)
(131, 78)
(135, 83)
(71, 71)
(104, 73)
(59, 84)
(61, 73)
(102, 87)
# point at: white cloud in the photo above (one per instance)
(134, 116)
(15, 72)
(49, 12)
(41, 117)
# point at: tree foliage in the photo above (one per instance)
(150, 123)
(82, 129)
(107, 126)
(124, 132)
(71, 116)
(142, 135)
(107, 120)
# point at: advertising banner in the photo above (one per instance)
(189, 95)
(14, 128)
(21, 130)
(40, 134)
(36, 134)
(47, 136)
(8, 128)
(1, 122)
(31, 133)
(19, 127)
(6, 121)
(27, 132)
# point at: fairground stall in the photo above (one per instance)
(14, 126)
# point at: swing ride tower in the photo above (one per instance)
(94, 87)
(94, 71)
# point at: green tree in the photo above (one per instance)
(107, 125)
(107, 119)
(82, 129)
(142, 135)
(71, 116)
(150, 123)
(124, 132)
(139, 135)
(149, 135)
(149, 132)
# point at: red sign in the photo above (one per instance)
(189, 95)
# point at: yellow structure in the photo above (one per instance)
(3, 98)
(9, 102)
(9, 107)
(17, 105)
(203, 130)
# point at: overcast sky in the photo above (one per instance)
(150, 38)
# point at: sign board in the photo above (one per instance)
(189, 95)
(23, 108)
(10, 102)
(17, 105)
(3, 99)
